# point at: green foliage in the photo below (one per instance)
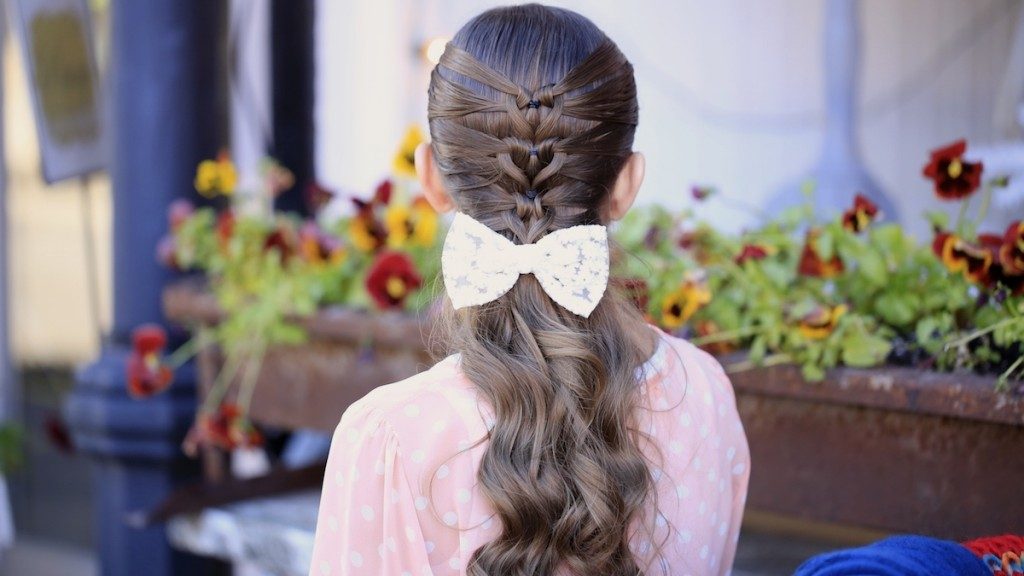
(269, 273)
(11, 448)
(768, 300)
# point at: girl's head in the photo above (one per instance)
(532, 113)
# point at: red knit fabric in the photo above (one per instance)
(1004, 555)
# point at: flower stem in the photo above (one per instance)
(979, 333)
(1005, 376)
(986, 199)
(771, 360)
(959, 226)
(187, 351)
(725, 335)
(251, 376)
(222, 383)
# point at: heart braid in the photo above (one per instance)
(541, 162)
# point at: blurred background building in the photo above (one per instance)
(732, 94)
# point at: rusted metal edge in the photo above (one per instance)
(189, 303)
(954, 395)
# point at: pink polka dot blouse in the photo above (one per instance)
(400, 496)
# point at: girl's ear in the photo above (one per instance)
(430, 180)
(627, 185)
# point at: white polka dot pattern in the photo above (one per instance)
(401, 494)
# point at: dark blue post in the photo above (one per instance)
(292, 74)
(167, 107)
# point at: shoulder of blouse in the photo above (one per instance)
(427, 392)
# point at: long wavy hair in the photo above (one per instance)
(532, 113)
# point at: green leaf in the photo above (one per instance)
(938, 220)
(927, 327)
(812, 373)
(898, 309)
(873, 267)
(757, 349)
(825, 244)
(861, 349)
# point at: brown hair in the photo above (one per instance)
(532, 112)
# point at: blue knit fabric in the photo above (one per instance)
(898, 556)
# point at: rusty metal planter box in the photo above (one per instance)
(893, 449)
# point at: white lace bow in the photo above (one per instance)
(479, 265)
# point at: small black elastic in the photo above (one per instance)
(533, 151)
(533, 104)
(531, 194)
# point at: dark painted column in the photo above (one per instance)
(167, 111)
(292, 78)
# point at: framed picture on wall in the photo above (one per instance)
(57, 46)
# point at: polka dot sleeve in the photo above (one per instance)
(367, 504)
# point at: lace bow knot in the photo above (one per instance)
(479, 265)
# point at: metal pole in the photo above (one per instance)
(91, 263)
(168, 111)
(10, 390)
(293, 69)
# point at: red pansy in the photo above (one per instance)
(637, 291)
(1011, 250)
(381, 197)
(225, 228)
(751, 252)
(701, 193)
(974, 260)
(282, 239)
(863, 213)
(227, 429)
(811, 262)
(391, 279)
(317, 196)
(146, 373)
(954, 178)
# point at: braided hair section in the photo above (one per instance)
(542, 163)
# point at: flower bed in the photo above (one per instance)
(850, 290)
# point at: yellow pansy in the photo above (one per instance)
(215, 177)
(319, 252)
(821, 321)
(404, 163)
(364, 232)
(414, 224)
(682, 303)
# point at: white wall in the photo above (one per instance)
(730, 91)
